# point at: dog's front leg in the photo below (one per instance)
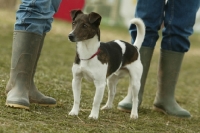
(100, 87)
(76, 88)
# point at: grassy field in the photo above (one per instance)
(54, 77)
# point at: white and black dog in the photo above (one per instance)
(97, 61)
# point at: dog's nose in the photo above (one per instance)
(71, 37)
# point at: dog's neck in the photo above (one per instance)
(87, 48)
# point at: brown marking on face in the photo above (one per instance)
(84, 26)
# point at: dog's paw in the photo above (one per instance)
(73, 112)
(92, 116)
(134, 116)
(106, 107)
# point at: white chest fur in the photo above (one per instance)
(91, 69)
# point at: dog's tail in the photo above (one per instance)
(140, 31)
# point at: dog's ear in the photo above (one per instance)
(74, 13)
(94, 18)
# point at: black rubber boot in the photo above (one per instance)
(168, 72)
(145, 55)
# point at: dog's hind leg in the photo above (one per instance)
(134, 86)
(135, 77)
(111, 83)
(100, 87)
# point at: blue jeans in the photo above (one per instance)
(36, 15)
(178, 17)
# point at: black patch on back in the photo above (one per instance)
(130, 55)
(111, 53)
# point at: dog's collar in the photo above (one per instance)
(98, 51)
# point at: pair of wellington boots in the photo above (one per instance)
(168, 72)
(20, 89)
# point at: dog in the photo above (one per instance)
(98, 61)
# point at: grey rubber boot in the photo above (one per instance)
(168, 72)
(145, 56)
(34, 95)
(24, 58)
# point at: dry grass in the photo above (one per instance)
(54, 77)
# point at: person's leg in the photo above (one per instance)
(33, 21)
(36, 16)
(38, 97)
(22, 62)
(145, 56)
(151, 12)
(178, 22)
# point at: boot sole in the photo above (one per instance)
(162, 111)
(47, 105)
(17, 106)
(123, 109)
(159, 110)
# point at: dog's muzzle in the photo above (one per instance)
(71, 37)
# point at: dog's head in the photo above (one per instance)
(84, 26)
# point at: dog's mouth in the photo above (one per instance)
(74, 38)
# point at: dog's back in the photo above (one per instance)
(117, 54)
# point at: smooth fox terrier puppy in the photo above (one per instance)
(98, 61)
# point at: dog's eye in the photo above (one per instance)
(85, 26)
(73, 23)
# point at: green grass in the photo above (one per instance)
(54, 77)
